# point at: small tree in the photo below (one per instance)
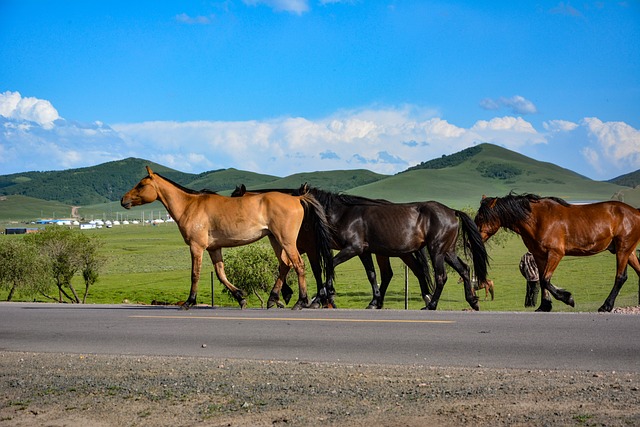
(68, 252)
(254, 269)
(22, 269)
(90, 262)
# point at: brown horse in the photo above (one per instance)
(209, 221)
(552, 228)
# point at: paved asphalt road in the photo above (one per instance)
(583, 341)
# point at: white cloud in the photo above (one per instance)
(297, 7)
(14, 106)
(510, 132)
(616, 144)
(517, 104)
(183, 18)
(382, 139)
(559, 126)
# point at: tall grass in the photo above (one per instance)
(146, 263)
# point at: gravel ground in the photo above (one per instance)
(99, 390)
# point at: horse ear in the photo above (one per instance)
(484, 196)
(149, 171)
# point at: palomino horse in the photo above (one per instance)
(209, 221)
(552, 228)
(417, 262)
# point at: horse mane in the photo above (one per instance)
(185, 189)
(326, 198)
(511, 209)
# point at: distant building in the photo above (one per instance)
(20, 230)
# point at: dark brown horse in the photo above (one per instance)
(552, 228)
(209, 221)
(363, 227)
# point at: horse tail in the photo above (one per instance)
(473, 242)
(423, 263)
(323, 232)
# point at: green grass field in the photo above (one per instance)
(146, 263)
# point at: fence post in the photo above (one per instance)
(212, 300)
(406, 287)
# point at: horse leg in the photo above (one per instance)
(440, 273)
(412, 262)
(386, 274)
(367, 262)
(345, 254)
(548, 266)
(218, 265)
(322, 299)
(274, 295)
(196, 266)
(463, 270)
(621, 276)
(298, 265)
(280, 284)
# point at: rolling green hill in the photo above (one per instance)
(20, 209)
(628, 180)
(485, 169)
(458, 180)
(84, 186)
(335, 181)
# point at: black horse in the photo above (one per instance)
(363, 227)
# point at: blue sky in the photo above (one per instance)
(286, 86)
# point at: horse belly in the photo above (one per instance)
(239, 238)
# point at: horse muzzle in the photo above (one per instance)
(126, 203)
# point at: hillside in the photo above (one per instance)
(628, 180)
(336, 181)
(460, 180)
(84, 186)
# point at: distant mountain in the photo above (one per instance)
(461, 179)
(336, 181)
(628, 180)
(458, 180)
(107, 182)
(85, 186)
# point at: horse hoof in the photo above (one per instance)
(287, 292)
(605, 309)
(243, 304)
(300, 304)
(371, 306)
(571, 302)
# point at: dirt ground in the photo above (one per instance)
(99, 390)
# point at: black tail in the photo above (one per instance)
(315, 213)
(473, 242)
(421, 257)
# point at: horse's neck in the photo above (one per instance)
(174, 199)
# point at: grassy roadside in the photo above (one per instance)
(146, 263)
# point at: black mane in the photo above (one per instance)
(185, 189)
(327, 198)
(511, 209)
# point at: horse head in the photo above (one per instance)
(487, 220)
(144, 192)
